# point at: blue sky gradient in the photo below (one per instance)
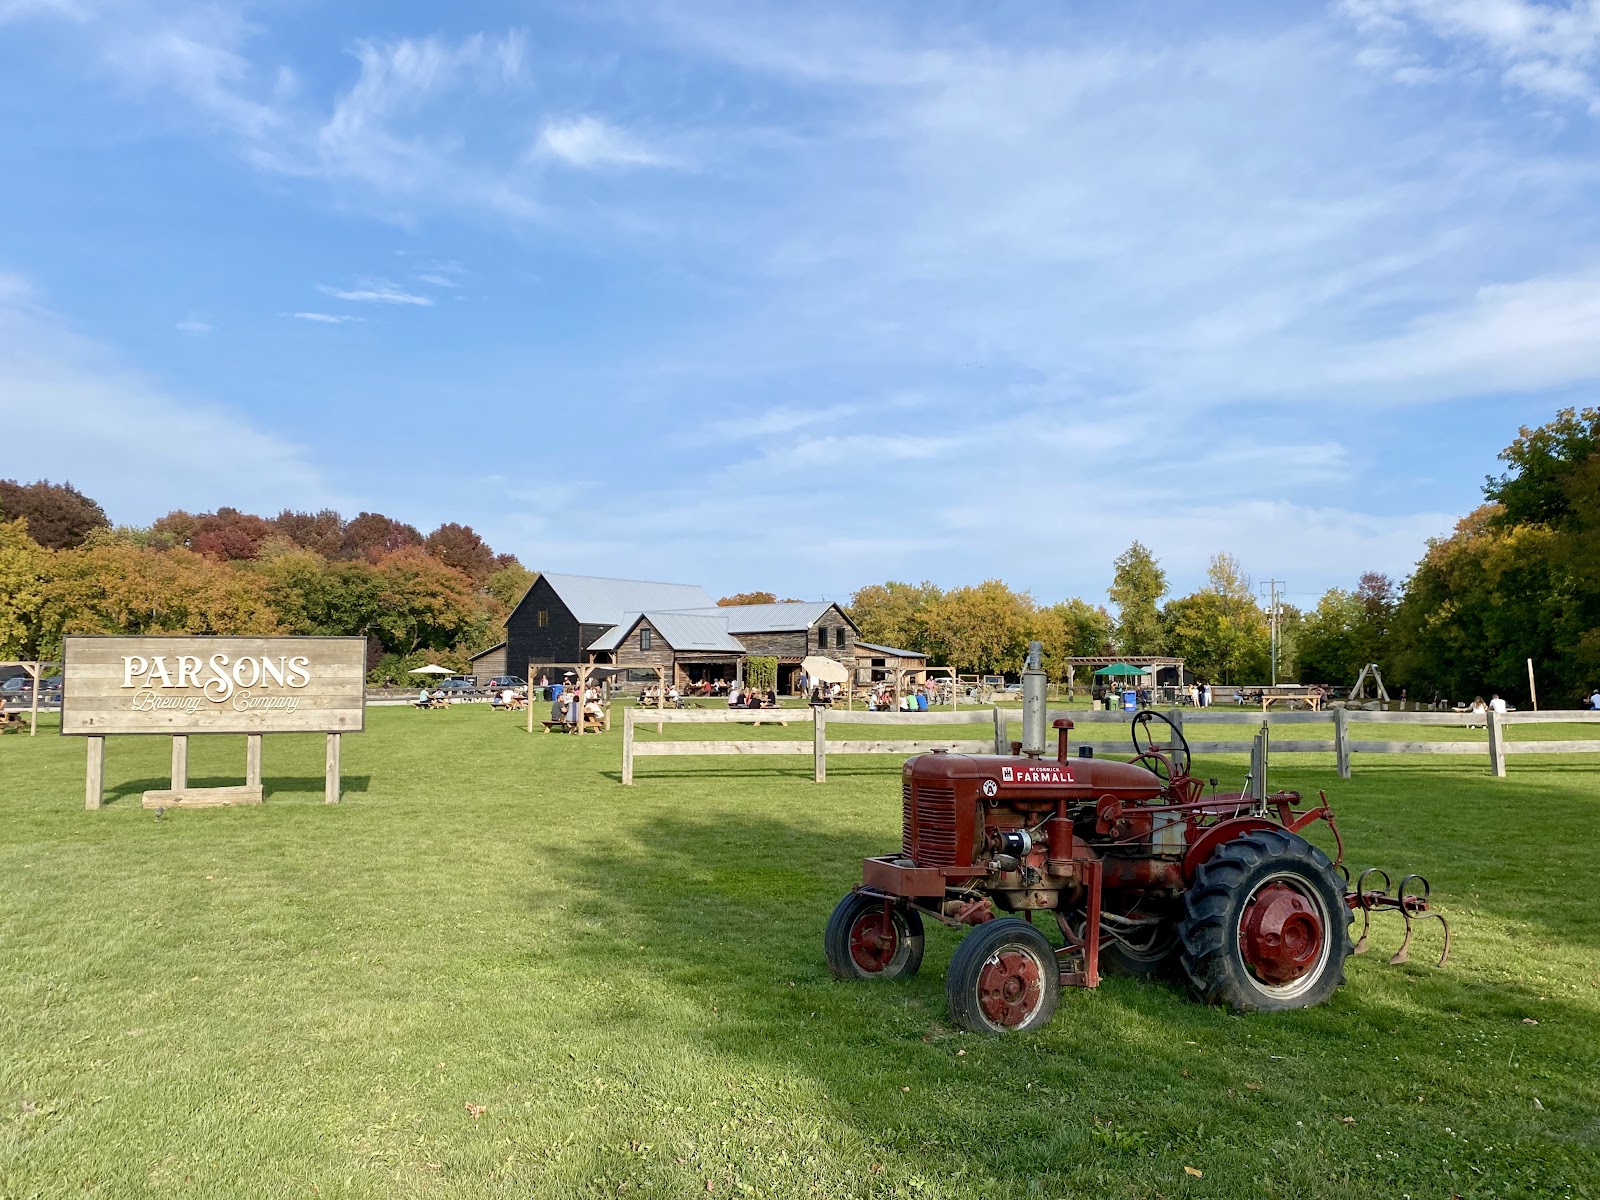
(804, 297)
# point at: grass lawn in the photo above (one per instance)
(493, 971)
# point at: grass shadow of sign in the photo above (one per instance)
(275, 787)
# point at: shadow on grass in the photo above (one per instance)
(727, 915)
(276, 787)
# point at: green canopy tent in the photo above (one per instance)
(1123, 670)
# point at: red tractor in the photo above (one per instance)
(1142, 871)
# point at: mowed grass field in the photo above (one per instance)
(493, 971)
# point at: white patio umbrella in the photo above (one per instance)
(824, 670)
(431, 669)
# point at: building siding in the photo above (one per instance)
(560, 641)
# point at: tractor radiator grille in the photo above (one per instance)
(935, 816)
(908, 832)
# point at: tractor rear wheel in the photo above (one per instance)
(1003, 978)
(1149, 953)
(864, 942)
(1265, 925)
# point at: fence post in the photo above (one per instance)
(1497, 745)
(1341, 741)
(819, 742)
(627, 745)
(252, 759)
(180, 761)
(1002, 740)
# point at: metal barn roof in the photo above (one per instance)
(890, 650)
(681, 631)
(595, 600)
(784, 617)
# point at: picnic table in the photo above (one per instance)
(1269, 698)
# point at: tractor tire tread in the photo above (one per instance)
(836, 939)
(1209, 956)
(974, 950)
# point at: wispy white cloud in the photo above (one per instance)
(74, 412)
(376, 293)
(1547, 50)
(587, 141)
(192, 326)
(325, 318)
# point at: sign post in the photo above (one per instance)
(179, 686)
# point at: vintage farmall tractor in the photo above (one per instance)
(1140, 869)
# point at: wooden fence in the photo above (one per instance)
(820, 744)
(1339, 742)
(1336, 721)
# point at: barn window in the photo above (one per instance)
(544, 617)
(822, 638)
(838, 637)
(644, 639)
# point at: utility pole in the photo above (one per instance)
(1273, 611)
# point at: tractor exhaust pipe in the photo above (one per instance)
(1034, 682)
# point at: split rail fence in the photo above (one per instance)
(1336, 721)
(1343, 746)
(820, 745)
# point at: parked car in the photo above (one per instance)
(501, 682)
(458, 685)
(1013, 689)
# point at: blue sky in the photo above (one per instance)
(804, 297)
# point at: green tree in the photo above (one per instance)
(1071, 628)
(984, 628)
(1219, 631)
(1136, 589)
(25, 570)
(508, 584)
(900, 615)
(425, 604)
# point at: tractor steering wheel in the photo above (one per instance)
(1145, 745)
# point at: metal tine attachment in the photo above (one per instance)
(1410, 900)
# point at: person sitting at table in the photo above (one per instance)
(422, 698)
(734, 695)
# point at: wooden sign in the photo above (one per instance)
(183, 685)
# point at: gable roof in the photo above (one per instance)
(890, 650)
(784, 617)
(681, 631)
(490, 650)
(596, 600)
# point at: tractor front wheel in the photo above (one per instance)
(1003, 979)
(870, 938)
(1265, 926)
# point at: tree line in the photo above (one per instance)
(64, 569)
(1519, 578)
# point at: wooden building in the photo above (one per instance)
(693, 646)
(876, 664)
(562, 615)
(491, 662)
(787, 632)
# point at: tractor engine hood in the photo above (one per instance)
(1029, 781)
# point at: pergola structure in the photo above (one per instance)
(1154, 662)
(35, 672)
(604, 672)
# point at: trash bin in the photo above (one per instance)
(1130, 701)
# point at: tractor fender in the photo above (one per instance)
(1215, 835)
